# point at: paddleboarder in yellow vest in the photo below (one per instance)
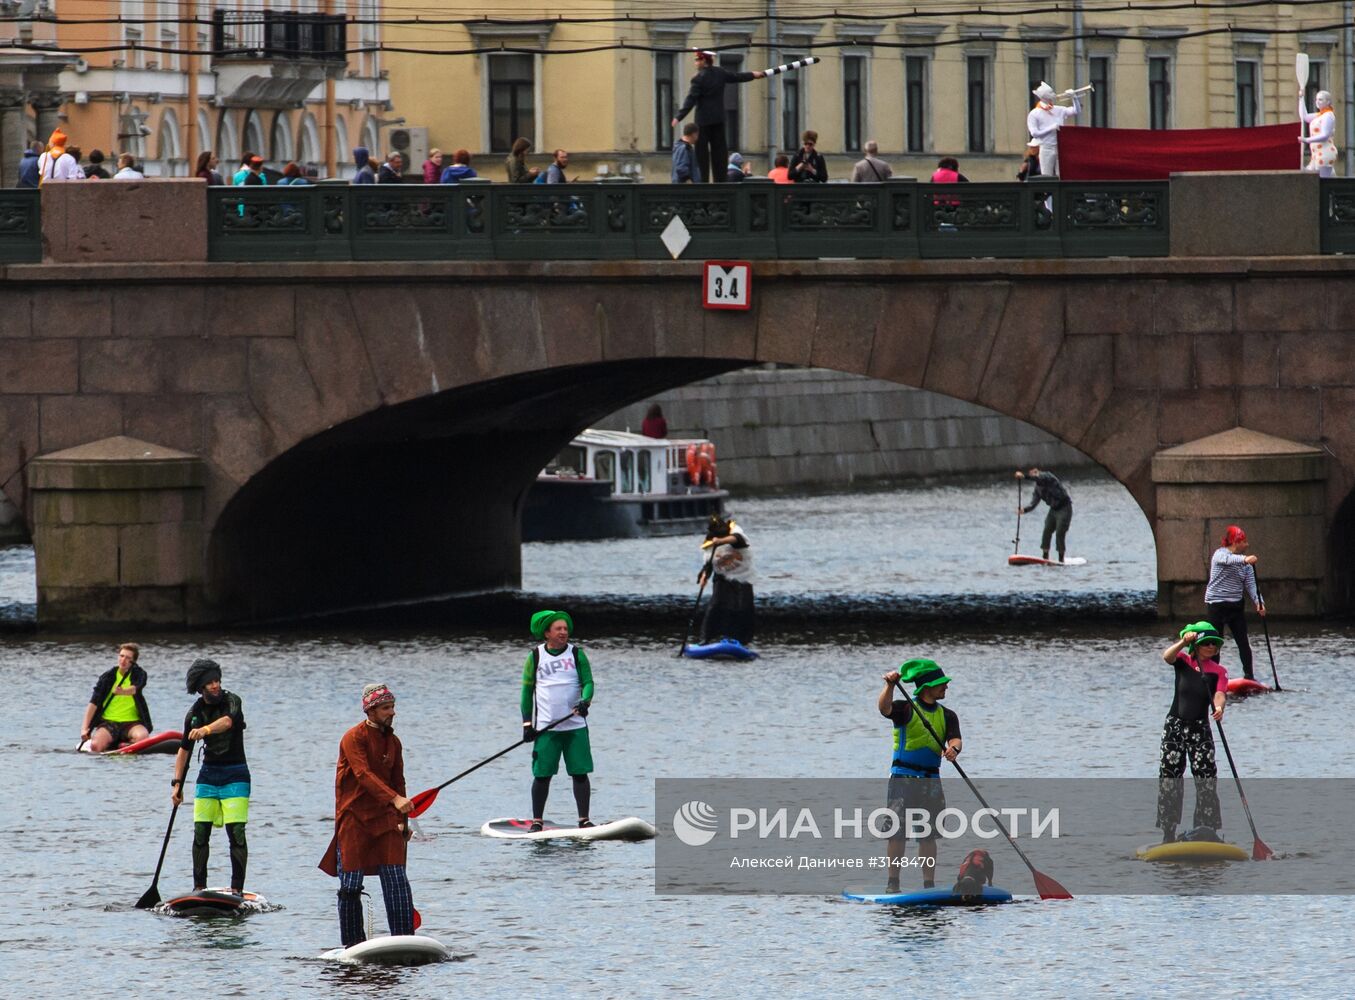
(915, 794)
(117, 712)
(557, 683)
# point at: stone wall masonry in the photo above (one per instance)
(788, 428)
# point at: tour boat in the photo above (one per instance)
(613, 484)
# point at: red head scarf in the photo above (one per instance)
(1233, 535)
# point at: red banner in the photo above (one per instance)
(1122, 154)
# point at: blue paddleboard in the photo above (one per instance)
(933, 897)
(728, 649)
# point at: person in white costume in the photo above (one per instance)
(1321, 129)
(1044, 122)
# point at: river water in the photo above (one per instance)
(1056, 674)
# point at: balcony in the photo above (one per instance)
(275, 59)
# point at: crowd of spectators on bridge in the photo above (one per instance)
(59, 159)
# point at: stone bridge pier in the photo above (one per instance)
(241, 442)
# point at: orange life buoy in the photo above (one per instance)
(693, 465)
(707, 453)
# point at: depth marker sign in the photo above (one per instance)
(727, 284)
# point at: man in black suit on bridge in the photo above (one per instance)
(708, 97)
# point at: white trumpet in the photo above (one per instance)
(1080, 90)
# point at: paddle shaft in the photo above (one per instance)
(425, 799)
(1039, 876)
(152, 895)
(1266, 630)
(1256, 837)
(1016, 542)
(696, 605)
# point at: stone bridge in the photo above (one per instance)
(195, 443)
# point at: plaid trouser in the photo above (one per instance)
(394, 889)
(1181, 739)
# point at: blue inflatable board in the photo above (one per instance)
(729, 649)
(934, 897)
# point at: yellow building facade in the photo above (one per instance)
(266, 78)
(923, 86)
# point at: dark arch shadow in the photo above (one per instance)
(415, 501)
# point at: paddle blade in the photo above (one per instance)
(1260, 852)
(151, 897)
(418, 920)
(1048, 888)
(422, 801)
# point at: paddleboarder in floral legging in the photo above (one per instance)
(557, 683)
(1200, 682)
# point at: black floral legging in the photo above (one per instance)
(1182, 739)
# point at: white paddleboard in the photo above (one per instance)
(631, 828)
(392, 949)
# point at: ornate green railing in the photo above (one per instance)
(755, 220)
(20, 227)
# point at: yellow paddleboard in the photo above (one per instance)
(1193, 850)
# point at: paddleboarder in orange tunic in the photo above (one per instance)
(370, 829)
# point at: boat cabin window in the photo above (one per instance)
(604, 466)
(571, 459)
(642, 471)
(627, 472)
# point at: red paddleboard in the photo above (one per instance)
(1037, 561)
(166, 741)
(1243, 686)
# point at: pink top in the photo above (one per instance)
(1210, 667)
(944, 176)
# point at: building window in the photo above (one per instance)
(915, 102)
(1317, 79)
(1246, 93)
(1037, 72)
(853, 70)
(1098, 100)
(733, 105)
(665, 101)
(792, 112)
(978, 104)
(1159, 92)
(512, 101)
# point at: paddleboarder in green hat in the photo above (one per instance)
(915, 770)
(557, 683)
(1200, 681)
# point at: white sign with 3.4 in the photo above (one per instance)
(727, 284)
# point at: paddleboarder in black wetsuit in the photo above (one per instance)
(222, 794)
(1055, 494)
(708, 97)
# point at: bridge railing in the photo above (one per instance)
(755, 220)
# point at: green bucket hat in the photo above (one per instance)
(542, 620)
(1204, 632)
(922, 674)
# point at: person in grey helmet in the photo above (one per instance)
(221, 796)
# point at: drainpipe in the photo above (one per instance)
(772, 124)
(1348, 41)
(1080, 47)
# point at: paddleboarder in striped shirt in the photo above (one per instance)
(1230, 577)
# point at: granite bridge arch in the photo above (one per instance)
(349, 435)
